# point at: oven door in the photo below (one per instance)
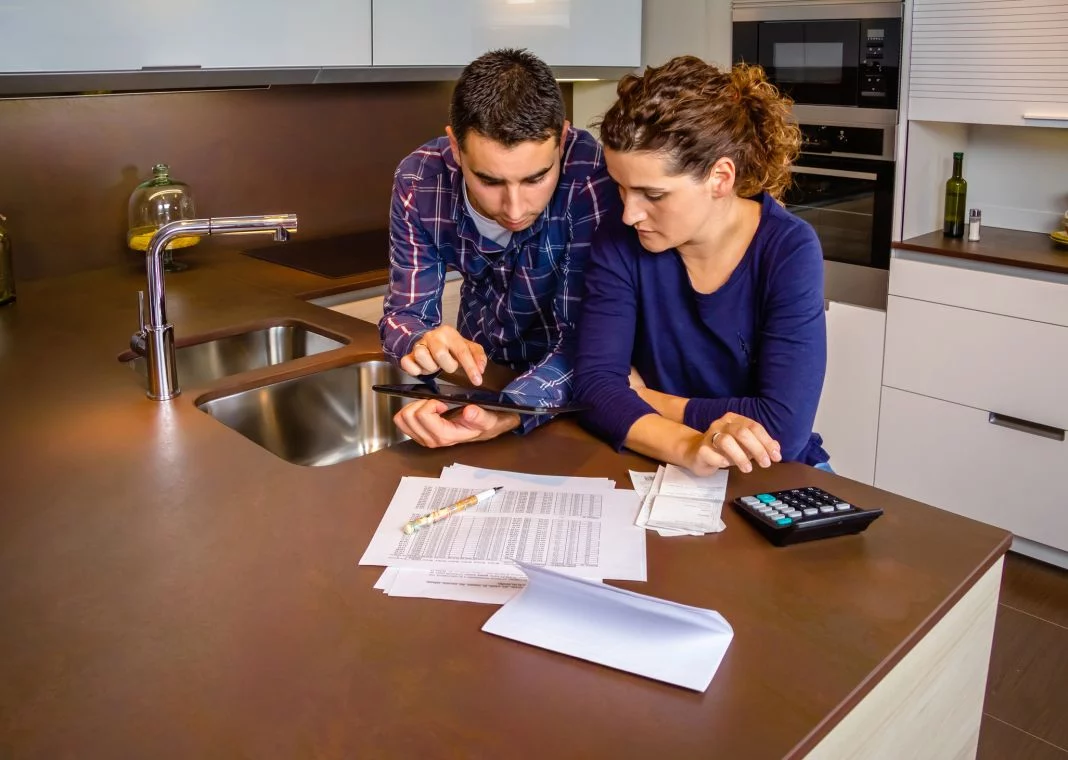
(814, 62)
(850, 204)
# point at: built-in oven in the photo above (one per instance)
(829, 57)
(844, 187)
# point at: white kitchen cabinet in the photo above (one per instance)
(990, 62)
(951, 456)
(973, 411)
(118, 35)
(848, 414)
(561, 32)
(368, 306)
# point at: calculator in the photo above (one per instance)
(803, 514)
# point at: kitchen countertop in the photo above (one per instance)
(170, 589)
(1029, 250)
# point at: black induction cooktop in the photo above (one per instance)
(334, 257)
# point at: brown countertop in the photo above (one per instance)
(1029, 250)
(170, 589)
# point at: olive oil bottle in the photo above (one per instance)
(956, 200)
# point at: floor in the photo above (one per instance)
(1026, 712)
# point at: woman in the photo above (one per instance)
(703, 340)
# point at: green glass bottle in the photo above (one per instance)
(956, 200)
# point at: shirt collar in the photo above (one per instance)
(465, 225)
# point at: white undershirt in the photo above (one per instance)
(486, 227)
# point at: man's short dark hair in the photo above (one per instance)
(509, 96)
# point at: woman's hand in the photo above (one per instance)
(732, 440)
(742, 440)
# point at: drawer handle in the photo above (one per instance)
(1024, 426)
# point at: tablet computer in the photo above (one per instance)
(494, 400)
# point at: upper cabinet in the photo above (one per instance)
(561, 32)
(52, 36)
(990, 62)
(67, 46)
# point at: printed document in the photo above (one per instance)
(453, 585)
(679, 503)
(588, 534)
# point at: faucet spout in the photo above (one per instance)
(156, 335)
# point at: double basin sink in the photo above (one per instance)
(316, 419)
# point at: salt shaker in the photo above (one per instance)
(974, 222)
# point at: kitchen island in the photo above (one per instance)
(170, 589)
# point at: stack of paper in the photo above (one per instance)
(640, 634)
(580, 526)
(678, 503)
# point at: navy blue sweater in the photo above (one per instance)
(757, 346)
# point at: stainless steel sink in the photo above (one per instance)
(318, 419)
(206, 361)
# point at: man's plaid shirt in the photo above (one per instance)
(519, 302)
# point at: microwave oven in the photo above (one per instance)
(838, 62)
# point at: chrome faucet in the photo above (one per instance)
(155, 340)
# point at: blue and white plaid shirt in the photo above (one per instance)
(520, 301)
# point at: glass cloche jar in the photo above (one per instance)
(155, 202)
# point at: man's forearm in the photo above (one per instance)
(398, 333)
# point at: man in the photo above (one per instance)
(510, 198)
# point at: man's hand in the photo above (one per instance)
(444, 349)
(732, 440)
(425, 422)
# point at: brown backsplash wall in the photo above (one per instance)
(327, 153)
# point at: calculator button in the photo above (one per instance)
(776, 504)
(842, 506)
(825, 509)
(765, 497)
(794, 515)
(783, 521)
(750, 500)
(809, 511)
(773, 514)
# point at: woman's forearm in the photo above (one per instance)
(670, 407)
(663, 439)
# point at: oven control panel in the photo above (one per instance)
(823, 138)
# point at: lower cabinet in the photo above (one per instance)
(848, 414)
(954, 457)
(369, 307)
(974, 409)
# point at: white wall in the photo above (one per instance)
(669, 28)
(1016, 175)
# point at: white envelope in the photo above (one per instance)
(640, 634)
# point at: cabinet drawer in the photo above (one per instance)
(998, 364)
(952, 457)
(1039, 296)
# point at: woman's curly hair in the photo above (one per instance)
(695, 114)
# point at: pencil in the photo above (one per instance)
(440, 514)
